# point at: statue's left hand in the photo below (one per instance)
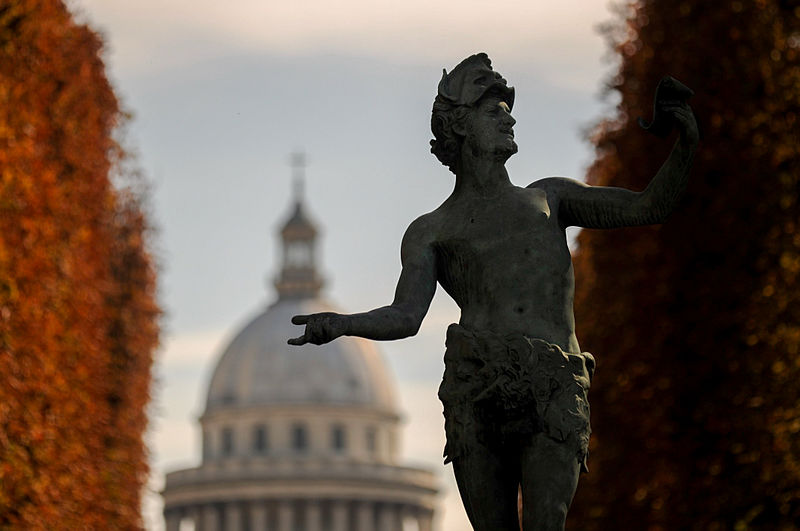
(321, 328)
(685, 120)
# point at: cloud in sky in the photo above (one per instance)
(557, 37)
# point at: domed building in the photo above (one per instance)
(299, 438)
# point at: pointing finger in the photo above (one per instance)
(300, 319)
(297, 341)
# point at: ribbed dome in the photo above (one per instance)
(299, 436)
(259, 368)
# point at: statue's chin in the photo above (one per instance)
(496, 153)
(502, 154)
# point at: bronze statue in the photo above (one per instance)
(515, 382)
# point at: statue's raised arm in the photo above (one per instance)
(605, 207)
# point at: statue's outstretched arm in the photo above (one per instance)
(605, 207)
(402, 318)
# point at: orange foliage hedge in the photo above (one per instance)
(696, 323)
(78, 318)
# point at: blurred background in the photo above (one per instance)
(222, 94)
(695, 326)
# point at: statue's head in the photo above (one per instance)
(460, 92)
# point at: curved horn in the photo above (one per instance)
(443, 88)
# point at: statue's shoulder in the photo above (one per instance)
(419, 238)
(423, 229)
(556, 187)
(551, 184)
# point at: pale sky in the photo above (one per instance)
(223, 92)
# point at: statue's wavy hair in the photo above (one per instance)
(458, 92)
(446, 144)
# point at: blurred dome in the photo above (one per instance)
(259, 368)
(299, 437)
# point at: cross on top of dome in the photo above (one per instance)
(298, 277)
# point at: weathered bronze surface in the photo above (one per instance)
(515, 384)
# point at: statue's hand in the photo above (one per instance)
(685, 120)
(320, 328)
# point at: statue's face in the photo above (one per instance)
(490, 129)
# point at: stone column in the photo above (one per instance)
(210, 518)
(313, 516)
(173, 520)
(258, 516)
(194, 514)
(285, 516)
(233, 517)
(385, 518)
(364, 517)
(397, 521)
(339, 516)
(425, 521)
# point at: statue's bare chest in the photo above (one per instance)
(524, 214)
(490, 246)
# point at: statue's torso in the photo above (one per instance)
(506, 263)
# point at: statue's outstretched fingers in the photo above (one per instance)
(298, 340)
(300, 319)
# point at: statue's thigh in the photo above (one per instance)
(488, 481)
(550, 471)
